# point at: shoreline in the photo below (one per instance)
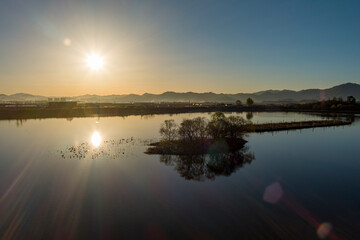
(286, 126)
(131, 110)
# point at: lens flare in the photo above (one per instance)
(324, 230)
(67, 42)
(273, 193)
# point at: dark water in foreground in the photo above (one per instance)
(88, 178)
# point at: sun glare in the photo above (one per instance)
(95, 62)
(96, 139)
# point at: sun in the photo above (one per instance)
(95, 61)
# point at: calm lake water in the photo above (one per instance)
(88, 178)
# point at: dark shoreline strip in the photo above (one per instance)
(128, 110)
(284, 126)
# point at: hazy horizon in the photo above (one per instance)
(157, 93)
(22, 92)
(34, 92)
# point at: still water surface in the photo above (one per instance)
(89, 178)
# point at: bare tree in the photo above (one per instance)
(187, 130)
(169, 130)
(217, 126)
(236, 126)
(218, 116)
(200, 127)
(193, 129)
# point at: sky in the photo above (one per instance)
(157, 46)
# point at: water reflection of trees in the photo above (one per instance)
(20, 122)
(208, 166)
(249, 115)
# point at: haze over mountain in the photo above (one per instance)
(343, 90)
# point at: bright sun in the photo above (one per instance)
(95, 62)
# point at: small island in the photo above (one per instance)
(220, 134)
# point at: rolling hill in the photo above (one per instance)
(268, 96)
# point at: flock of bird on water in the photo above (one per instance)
(111, 149)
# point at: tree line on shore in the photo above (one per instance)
(334, 104)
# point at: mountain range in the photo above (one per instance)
(268, 96)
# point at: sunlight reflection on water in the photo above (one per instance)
(96, 139)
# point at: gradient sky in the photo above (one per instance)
(157, 46)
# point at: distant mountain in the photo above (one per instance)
(268, 96)
(22, 97)
(267, 91)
